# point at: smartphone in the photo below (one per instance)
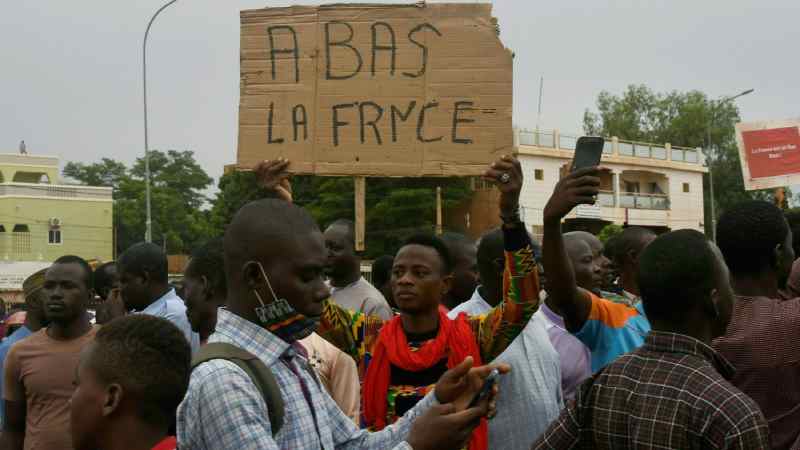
(588, 152)
(491, 380)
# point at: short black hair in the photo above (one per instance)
(102, 279)
(349, 225)
(87, 269)
(209, 260)
(490, 248)
(675, 271)
(382, 270)
(258, 222)
(431, 241)
(747, 235)
(793, 217)
(146, 257)
(630, 239)
(150, 358)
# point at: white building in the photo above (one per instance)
(658, 186)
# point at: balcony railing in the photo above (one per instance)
(636, 200)
(606, 198)
(55, 190)
(613, 146)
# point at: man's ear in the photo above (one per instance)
(447, 284)
(208, 290)
(711, 306)
(114, 394)
(778, 256)
(251, 275)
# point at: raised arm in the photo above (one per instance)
(573, 303)
(505, 321)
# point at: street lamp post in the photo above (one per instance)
(148, 235)
(714, 106)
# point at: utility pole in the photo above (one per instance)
(148, 234)
(713, 107)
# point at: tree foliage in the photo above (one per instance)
(177, 188)
(686, 119)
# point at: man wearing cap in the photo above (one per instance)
(34, 319)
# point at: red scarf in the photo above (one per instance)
(454, 340)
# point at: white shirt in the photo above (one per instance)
(362, 297)
(172, 308)
(530, 396)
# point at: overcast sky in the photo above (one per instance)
(70, 78)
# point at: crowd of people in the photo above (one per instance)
(275, 340)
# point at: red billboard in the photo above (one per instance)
(770, 153)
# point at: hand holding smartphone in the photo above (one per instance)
(588, 152)
(488, 385)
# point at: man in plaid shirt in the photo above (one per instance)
(673, 392)
(274, 259)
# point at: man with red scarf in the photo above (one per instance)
(401, 359)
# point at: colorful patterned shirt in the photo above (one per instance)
(671, 393)
(612, 330)
(357, 334)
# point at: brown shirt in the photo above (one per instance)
(762, 343)
(40, 371)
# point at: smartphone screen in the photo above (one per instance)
(588, 152)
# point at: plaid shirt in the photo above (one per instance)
(761, 342)
(224, 410)
(670, 393)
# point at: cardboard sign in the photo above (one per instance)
(375, 90)
(770, 153)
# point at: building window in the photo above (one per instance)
(2, 229)
(538, 174)
(686, 187)
(54, 236)
(21, 240)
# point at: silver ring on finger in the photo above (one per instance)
(505, 178)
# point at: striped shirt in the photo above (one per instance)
(672, 393)
(224, 410)
(761, 341)
(612, 329)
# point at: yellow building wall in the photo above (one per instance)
(86, 228)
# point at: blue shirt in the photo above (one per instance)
(612, 329)
(224, 410)
(5, 346)
(172, 308)
(531, 394)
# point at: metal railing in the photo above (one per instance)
(635, 200)
(606, 198)
(55, 190)
(613, 146)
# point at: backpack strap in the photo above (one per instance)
(258, 372)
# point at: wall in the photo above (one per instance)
(86, 228)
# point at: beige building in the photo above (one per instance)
(42, 219)
(658, 186)
(652, 185)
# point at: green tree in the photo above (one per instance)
(685, 119)
(105, 173)
(176, 198)
(609, 231)
(396, 207)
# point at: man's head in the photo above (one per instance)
(35, 296)
(342, 261)
(283, 239)
(683, 277)
(382, 277)
(421, 275)
(106, 278)
(143, 275)
(793, 217)
(68, 288)
(626, 249)
(755, 239)
(585, 252)
(135, 371)
(465, 268)
(204, 286)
